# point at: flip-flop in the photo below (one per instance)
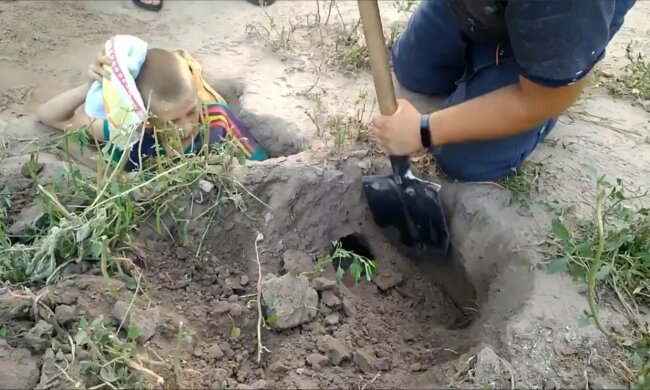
(148, 7)
(261, 2)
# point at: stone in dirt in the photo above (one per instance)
(215, 352)
(28, 216)
(329, 299)
(297, 261)
(366, 360)
(38, 336)
(146, 321)
(317, 361)
(332, 319)
(387, 280)
(65, 314)
(320, 283)
(19, 369)
(334, 348)
(489, 368)
(289, 299)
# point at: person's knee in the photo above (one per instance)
(490, 160)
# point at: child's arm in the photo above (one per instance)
(67, 111)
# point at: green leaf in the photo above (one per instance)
(235, 332)
(339, 274)
(108, 374)
(133, 332)
(96, 249)
(355, 270)
(560, 231)
(81, 338)
(84, 366)
(557, 266)
(272, 320)
(585, 250)
(639, 358)
(603, 272)
(3, 332)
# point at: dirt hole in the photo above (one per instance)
(276, 135)
(354, 243)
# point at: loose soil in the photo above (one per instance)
(486, 316)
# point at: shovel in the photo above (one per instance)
(407, 208)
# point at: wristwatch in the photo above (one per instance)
(425, 131)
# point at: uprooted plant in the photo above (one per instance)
(93, 218)
(612, 250)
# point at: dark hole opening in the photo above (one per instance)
(354, 243)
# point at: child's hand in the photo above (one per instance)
(96, 71)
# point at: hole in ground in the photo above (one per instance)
(276, 135)
(352, 244)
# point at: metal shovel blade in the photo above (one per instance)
(409, 212)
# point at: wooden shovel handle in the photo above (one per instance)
(378, 53)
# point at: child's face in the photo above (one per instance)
(183, 115)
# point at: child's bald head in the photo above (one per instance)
(163, 80)
(165, 84)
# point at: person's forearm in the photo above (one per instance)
(502, 113)
(63, 106)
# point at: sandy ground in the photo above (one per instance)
(278, 66)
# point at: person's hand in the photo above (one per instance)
(96, 71)
(399, 134)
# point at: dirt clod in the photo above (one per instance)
(290, 299)
(387, 280)
(20, 369)
(317, 361)
(38, 337)
(297, 261)
(215, 352)
(145, 320)
(334, 348)
(367, 361)
(65, 314)
(329, 299)
(489, 368)
(332, 319)
(320, 283)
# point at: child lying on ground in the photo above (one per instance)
(181, 105)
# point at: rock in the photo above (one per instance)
(329, 299)
(388, 280)
(29, 216)
(416, 367)
(348, 308)
(489, 368)
(233, 283)
(146, 321)
(205, 186)
(289, 299)
(215, 352)
(243, 280)
(317, 361)
(19, 369)
(365, 360)
(259, 384)
(221, 307)
(37, 337)
(65, 314)
(320, 283)
(297, 261)
(335, 349)
(332, 319)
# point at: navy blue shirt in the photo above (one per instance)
(554, 42)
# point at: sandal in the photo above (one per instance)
(261, 3)
(148, 7)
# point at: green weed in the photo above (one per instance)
(635, 80)
(522, 184)
(93, 218)
(612, 251)
(359, 266)
(354, 128)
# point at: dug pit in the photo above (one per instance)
(408, 323)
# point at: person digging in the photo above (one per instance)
(508, 69)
